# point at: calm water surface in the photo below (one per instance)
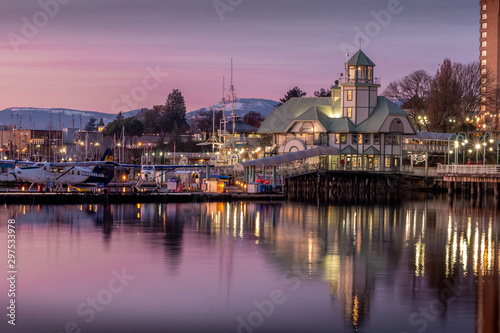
(421, 266)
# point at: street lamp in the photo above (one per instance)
(478, 146)
(484, 137)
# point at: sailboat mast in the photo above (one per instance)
(233, 117)
(224, 122)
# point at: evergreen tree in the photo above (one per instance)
(294, 92)
(91, 126)
(175, 138)
(175, 112)
(323, 93)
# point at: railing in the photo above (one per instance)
(469, 169)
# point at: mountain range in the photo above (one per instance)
(40, 117)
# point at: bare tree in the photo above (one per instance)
(444, 110)
(412, 91)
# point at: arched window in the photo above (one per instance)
(397, 126)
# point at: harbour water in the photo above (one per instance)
(424, 265)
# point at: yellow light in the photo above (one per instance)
(124, 178)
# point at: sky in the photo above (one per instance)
(119, 55)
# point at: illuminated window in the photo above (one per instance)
(349, 95)
(483, 53)
(483, 108)
(343, 138)
(484, 25)
(483, 71)
(484, 16)
(484, 34)
(484, 7)
(483, 62)
(349, 112)
(484, 43)
(337, 138)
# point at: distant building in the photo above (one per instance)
(366, 128)
(489, 50)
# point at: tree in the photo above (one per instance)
(91, 126)
(203, 121)
(175, 139)
(412, 91)
(323, 93)
(444, 111)
(175, 112)
(253, 118)
(294, 92)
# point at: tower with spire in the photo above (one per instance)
(359, 89)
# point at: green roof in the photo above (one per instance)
(281, 117)
(383, 109)
(339, 125)
(349, 151)
(371, 151)
(360, 59)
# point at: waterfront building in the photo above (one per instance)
(367, 129)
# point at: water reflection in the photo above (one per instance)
(379, 264)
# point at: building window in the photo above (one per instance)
(483, 53)
(337, 138)
(484, 25)
(376, 139)
(343, 138)
(387, 161)
(483, 62)
(484, 16)
(349, 112)
(349, 95)
(483, 71)
(395, 140)
(484, 34)
(366, 139)
(483, 108)
(354, 139)
(484, 44)
(484, 7)
(388, 139)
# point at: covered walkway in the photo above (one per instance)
(250, 168)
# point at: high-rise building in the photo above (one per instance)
(489, 59)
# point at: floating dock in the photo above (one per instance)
(64, 198)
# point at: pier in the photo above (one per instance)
(471, 177)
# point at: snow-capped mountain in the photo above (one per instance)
(20, 117)
(242, 106)
(40, 117)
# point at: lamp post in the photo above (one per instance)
(478, 146)
(484, 137)
(463, 136)
(452, 136)
(498, 144)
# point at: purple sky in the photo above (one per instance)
(92, 52)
